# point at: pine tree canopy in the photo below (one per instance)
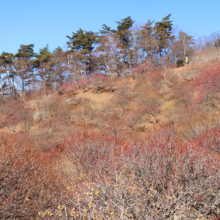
(26, 51)
(125, 24)
(123, 28)
(105, 30)
(82, 41)
(44, 55)
(147, 28)
(164, 28)
(58, 50)
(6, 59)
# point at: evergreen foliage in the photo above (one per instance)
(82, 41)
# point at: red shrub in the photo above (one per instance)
(207, 85)
(144, 67)
(73, 86)
(156, 179)
(27, 179)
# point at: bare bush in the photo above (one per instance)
(156, 180)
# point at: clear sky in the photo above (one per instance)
(45, 22)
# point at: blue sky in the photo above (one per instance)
(45, 22)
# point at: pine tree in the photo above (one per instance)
(164, 34)
(147, 40)
(25, 54)
(83, 42)
(58, 50)
(6, 60)
(58, 60)
(106, 30)
(44, 65)
(107, 59)
(123, 33)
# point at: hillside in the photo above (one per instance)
(120, 148)
(121, 107)
(104, 117)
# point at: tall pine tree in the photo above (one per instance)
(123, 33)
(164, 34)
(26, 55)
(44, 66)
(83, 42)
(6, 60)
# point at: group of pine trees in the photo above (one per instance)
(113, 52)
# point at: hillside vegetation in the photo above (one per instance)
(120, 126)
(118, 149)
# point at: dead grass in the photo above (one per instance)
(121, 109)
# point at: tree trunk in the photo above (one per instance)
(130, 64)
(28, 79)
(1, 88)
(75, 70)
(44, 87)
(109, 64)
(123, 65)
(161, 62)
(85, 66)
(68, 64)
(14, 87)
(91, 65)
(9, 84)
(23, 83)
(175, 58)
(119, 65)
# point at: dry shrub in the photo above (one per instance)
(184, 93)
(141, 80)
(85, 114)
(14, 114)
(194, 122)
(154, 180)
(190, 73)
(155, 78)
(72, 87)
(134, 119)
(45, 107)
(143, 68)
(207, 85)
(29, 181)
(149, 102)
(50, 133)
(96, 81)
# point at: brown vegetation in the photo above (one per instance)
(114, 148)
